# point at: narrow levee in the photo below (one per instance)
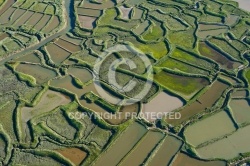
(69, 7)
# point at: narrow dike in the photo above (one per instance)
(69, 8)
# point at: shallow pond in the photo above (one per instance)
(162, 103)
(35, 18)
(49, 101)
(43, 22)
(52, 25)
(40, 73)
(87, 21)
(206, 100)
(57, 54)
(122, 145)
(32, 57)
(22, 20)
(166, 152)
(185, 160)
(143, 149)
(228, 148)
(126, 12)
(241, 110)
(209, 128)
(68, 46)
(224, 62)
(82, 74)
(73, 154)
(6, 6)
(244, 4)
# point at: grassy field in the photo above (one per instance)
(247, 75)
(183, 67)
(176, 83)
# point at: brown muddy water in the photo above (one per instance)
(240, 94)
(17, 14)
(40, 73)
(68, 46)
(87, 21)
(43, 22)
(140, 152)
(166, 151)
(137, 13)
(71, 40)
(185, 160)
(205, 101)
(35, 18)
(23, 18)
(82, 74)
(5, 17)
(6, 6)
(52, 25)
(224, 62)
(3, 36)
(122, 145)
(32, 57)
(75, 155)
(103, 5)
(88, 12)
(57, 54)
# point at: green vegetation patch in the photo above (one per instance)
(110, 18)
(154, 32)
(183, 38)
(59, 124)
(28, 4)
(182, 67)
(226, 47)
(157, 50)
(193, 59)
(180, 84)
(240, 29)
(50, 9)
(247, 75)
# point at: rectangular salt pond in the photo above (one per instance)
(162, 103)
(228, 148)
(209, 128)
